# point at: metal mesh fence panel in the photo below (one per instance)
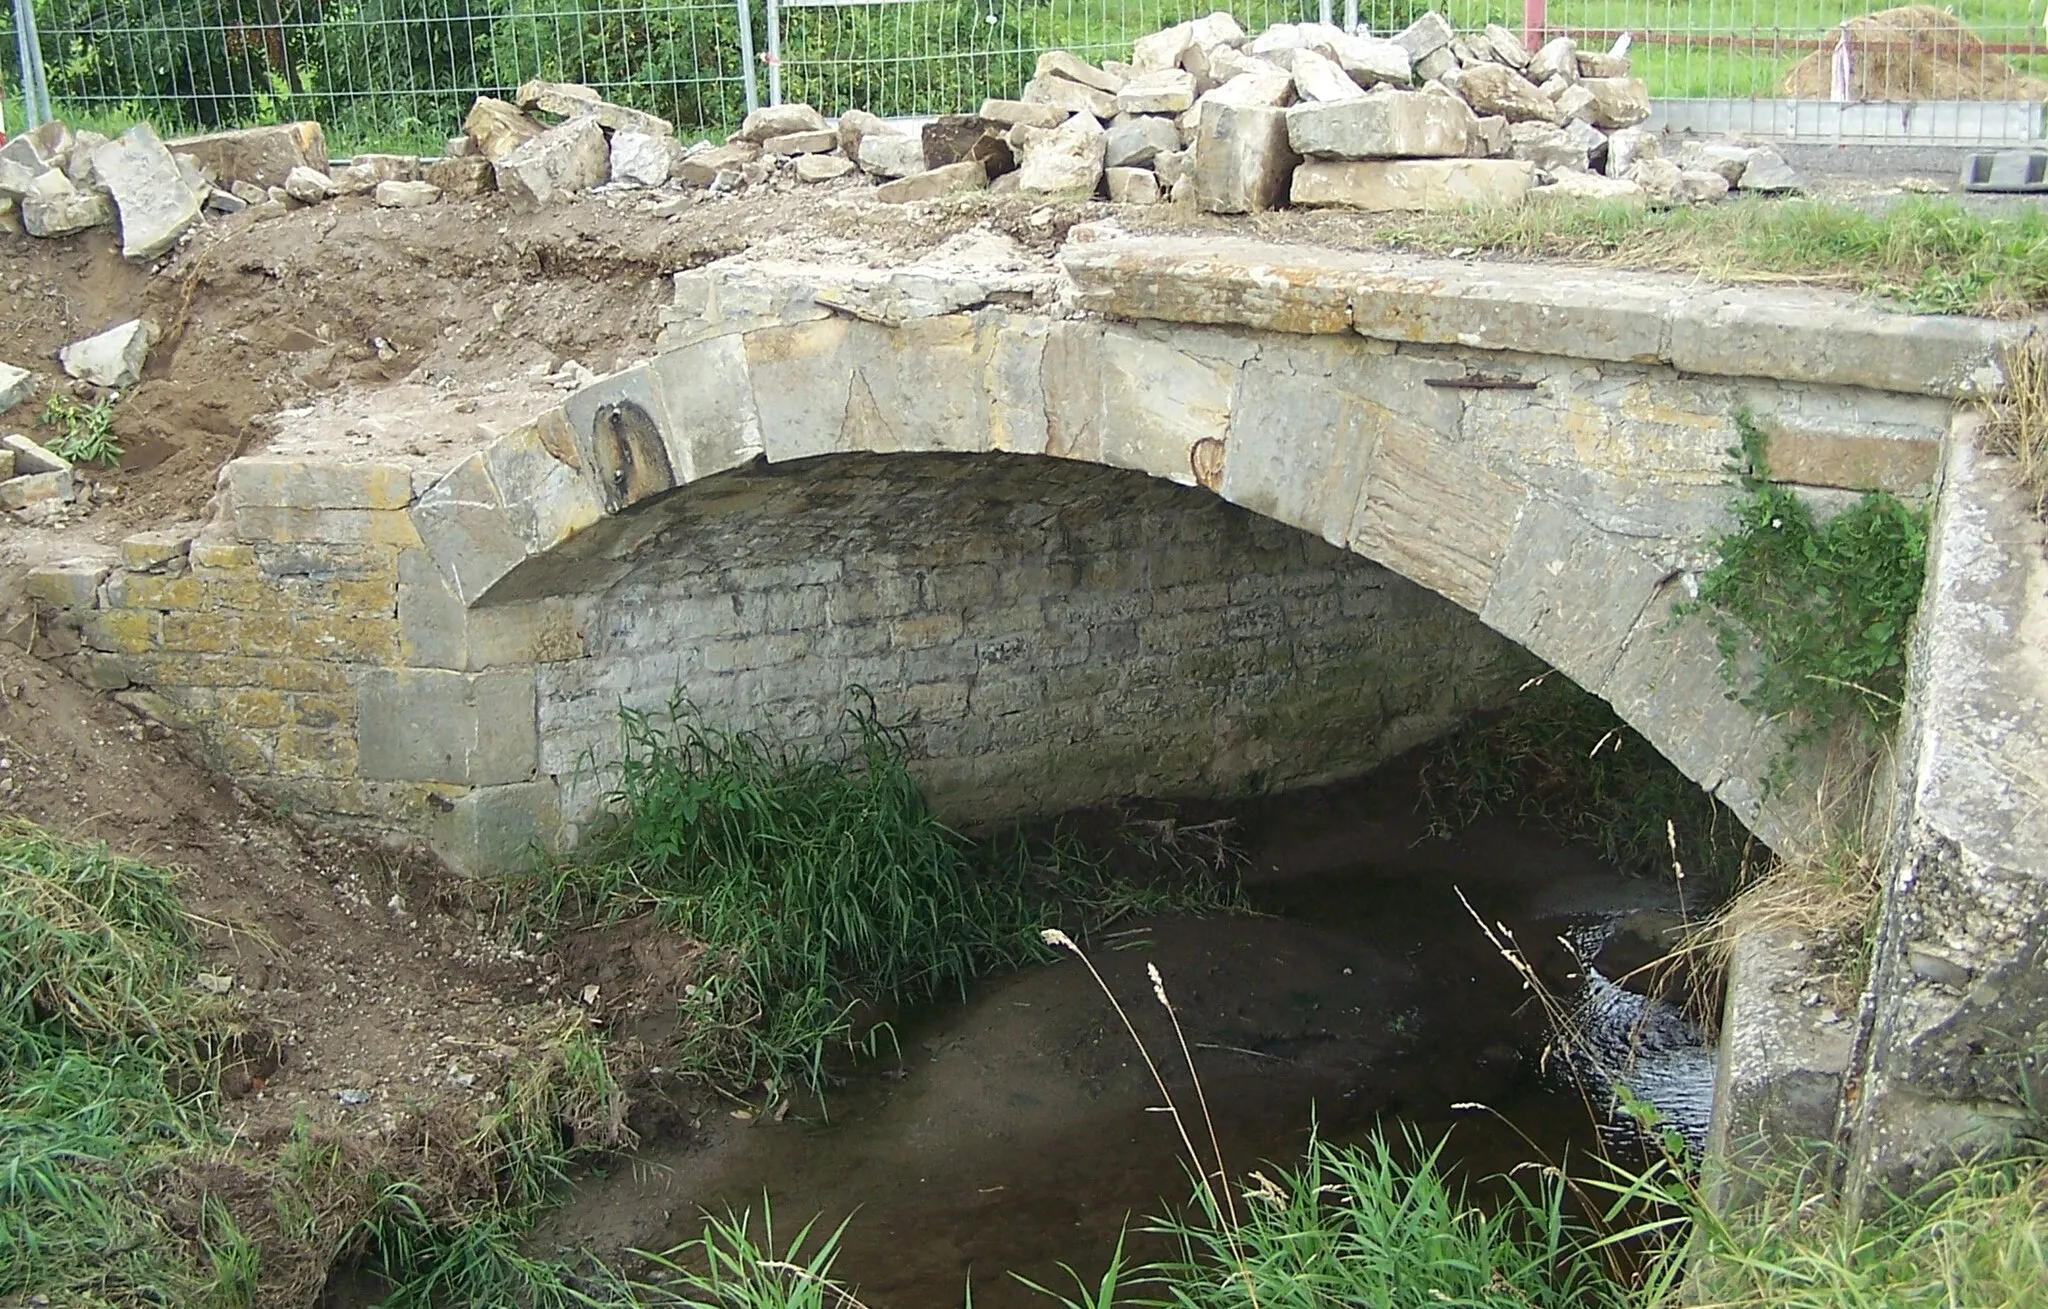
(399, 72)
(381, 71)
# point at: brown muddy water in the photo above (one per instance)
(1013, 1131)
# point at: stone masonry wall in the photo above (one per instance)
(1055, 634)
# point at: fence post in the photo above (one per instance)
(747, 54)
(1533, 20)
(774, 53)
(1351, 16)
(34, 101)
(1325, 14)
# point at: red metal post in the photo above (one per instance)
(1532, 23)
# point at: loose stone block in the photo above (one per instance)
(1014, 112)
(1060, 63)
(149, 191)
(891, 154)
(1413, 184)
(406, 195)
(114, 358)
(53, 207)
(147, 551)
(1133, 186)
(644, 159)
(1496, 89)
(1071, 97)
(770, 121)
(561, 160)
(1242, 159)
(466, 175)
(16, 385)
(1135, 140)
(1166, 91)
(263, 156)
(1064, 161)
(967, 175)
(496, 126)
(433, 725)
(1384, 125)
(572, 100)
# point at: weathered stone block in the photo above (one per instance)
(464, 176)
(1385, 125)
(494, 829)
(380, 527)
(1850, 460)
(1414, 184)
(967, 175)
(1242, 159)
(432, 725)
(71, 584)
(1505, 307)
(114, 358)
(496, 126)
(1436, 516)
(147, 551)
(466, 530)
(1217, 280)
(560, 161)
(291, 482)
(262, 156)
(16, 385)
(1809, 337)
(1565, 588)
(155, 204)
(709, 396)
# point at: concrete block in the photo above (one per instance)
(290, 482)
(433, 725)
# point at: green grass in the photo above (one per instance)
(1927, 255)
(1560, 758)
(817, 884)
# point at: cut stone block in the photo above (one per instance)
(1414, 184)
(1242, 159)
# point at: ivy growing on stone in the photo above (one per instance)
(1811, 617)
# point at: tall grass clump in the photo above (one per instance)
(816, 883)
(2019, 418)
(106, 1058)
(1561, 758)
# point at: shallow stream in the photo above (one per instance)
(1011, 1132)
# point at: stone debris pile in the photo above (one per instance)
(1203, 114)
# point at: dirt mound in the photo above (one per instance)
(1916, 52)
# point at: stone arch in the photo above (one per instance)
(1547, 451)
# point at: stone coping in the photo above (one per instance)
(1786, 334)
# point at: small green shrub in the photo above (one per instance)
(1826, 607)
(84, 433)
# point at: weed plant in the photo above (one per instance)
(1559, 757)
(1811, 617)
(2019, 419)
(84, 433)
(816, 883)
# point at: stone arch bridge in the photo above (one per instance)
(1171, 514)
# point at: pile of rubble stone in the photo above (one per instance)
(1203, 114)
